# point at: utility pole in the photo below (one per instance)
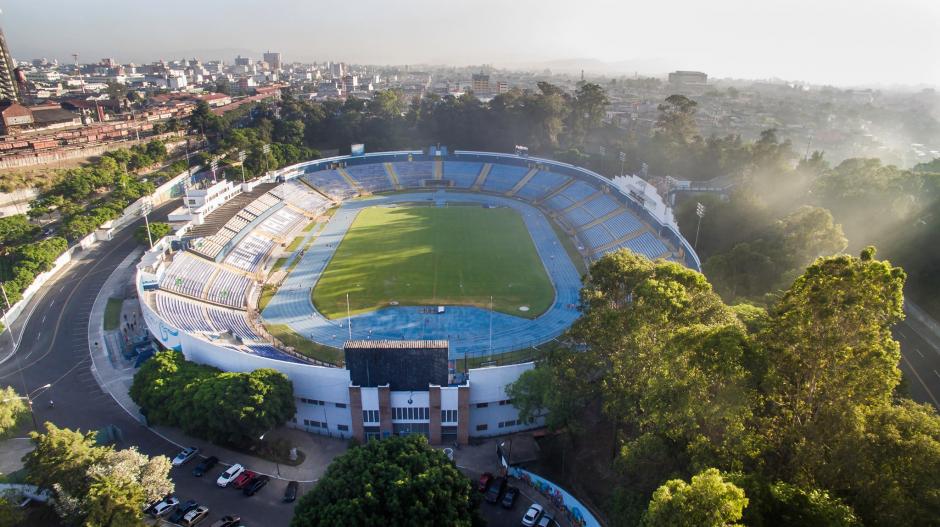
(147, 206)
(348, 318)
(700, 212)
(241, 160)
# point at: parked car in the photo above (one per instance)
(509, 497)
(256, 484)
(195, 516)
(290, 493)
(181, 510)
(226, 477)
(495, 492)
(185, 455)
(227, 521)
(547, 521)
(484, 482)
(164, 507)
(244, 479)
(204, 466)
(532, 515)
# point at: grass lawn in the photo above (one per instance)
(570, 248)
(112, 314)
(306, 347)
(435, 256)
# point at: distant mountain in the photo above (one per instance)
(206, 54)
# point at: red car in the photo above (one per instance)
(244, 479)
(484, 482)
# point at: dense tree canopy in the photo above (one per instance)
(13, 411)
(798, 403)
(395, 481)
(223, 407)
(95, 485)
(709, 501)
(158, 230)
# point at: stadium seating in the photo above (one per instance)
(229, 289)
(462, 173)
(212, 246)
(188, 274)
(190, 315)
(622, 224)
(541, 184)
(502, 178)
(372, 178)
(183, 314)
(330, 182)
(412, 173)
(301, 196)
(281, 223)
(646, 244)
(596, 236)
(250, 252)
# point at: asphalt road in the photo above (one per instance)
(54, 349)
(920, 362)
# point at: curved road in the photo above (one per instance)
(54, 349)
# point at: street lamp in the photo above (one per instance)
(277, 466)
(146, 209)
(241, 160)
(29, 397)
(700, 212)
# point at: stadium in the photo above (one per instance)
(421, 283)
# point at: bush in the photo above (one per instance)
(222, 407)
(157, 230)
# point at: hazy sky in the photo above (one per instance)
(822, 41)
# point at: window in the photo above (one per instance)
(341, 405)
(505, 402)
(449, 416)
(342, 428)
(507, 424)
(482, 405)
(314, 424)
(481, 428)
(411, 414)
(370, 416)
(313, 402)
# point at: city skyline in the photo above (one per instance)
(729, 39)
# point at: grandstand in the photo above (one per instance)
(502, 178)
(462, 173)
(372, 178)
(330, 183)
(411, 174)
(204, 280)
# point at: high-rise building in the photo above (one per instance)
(481, 83)
(8, 90)
(243, 61)
(273, 60)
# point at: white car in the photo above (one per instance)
(185, 455)
(164, 507)
(532, 515)
(229, 475)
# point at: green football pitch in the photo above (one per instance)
(457, 255)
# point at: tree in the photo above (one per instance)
(95, 485)
(13, 411)
(223, 407)
(394, 481)
(709, 501)
(15, 230)
(157, 230)
(676, 121)
(829, 349)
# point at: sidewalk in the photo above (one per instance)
(115, 375)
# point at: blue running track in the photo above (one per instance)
(467, 328)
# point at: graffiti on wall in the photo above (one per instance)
(574, 511)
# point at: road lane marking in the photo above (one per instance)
(935, 373)
(921, 381)
(919, 353)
